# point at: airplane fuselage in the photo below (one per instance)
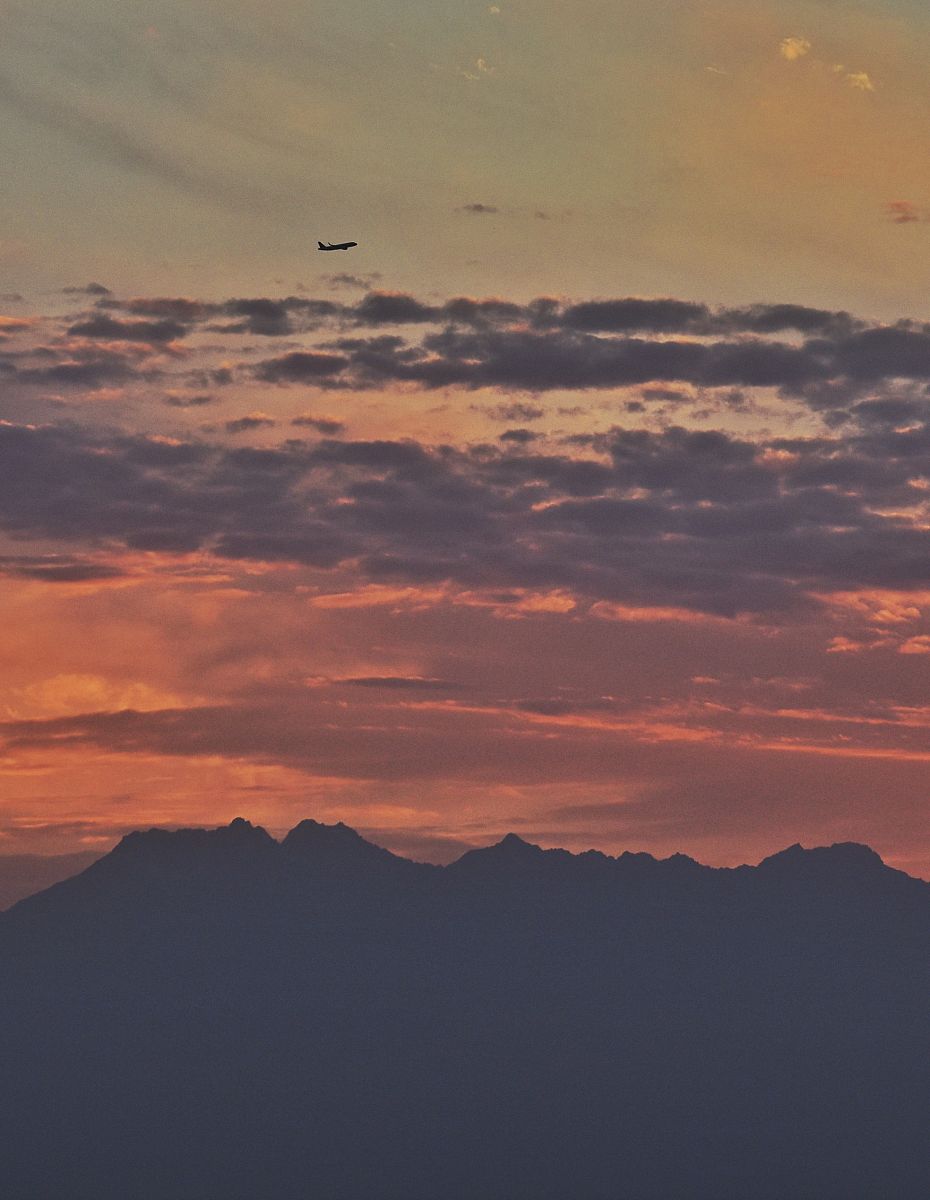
(337, 245)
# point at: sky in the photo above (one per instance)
(588, 497)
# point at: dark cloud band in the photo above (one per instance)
(701, 520)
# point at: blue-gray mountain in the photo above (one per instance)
(22, 875)
(213, 1015)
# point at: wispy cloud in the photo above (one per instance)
(185, 400)
(250, 422)
(481, 69)
(342, 279)
(793, 48)
(325, 425)
(89, 289)
(859, 80)
(111, 140)
(134, 148)
(902, 212)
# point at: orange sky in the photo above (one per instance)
(586, 497)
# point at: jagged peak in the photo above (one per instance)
(838, 856)
(514, 849)
(513, 841)
(511, 846)
(309, 827)
(337, 843)
(511, 850)
(339, 846)
(239, 833)
(316, 833)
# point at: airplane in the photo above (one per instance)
(337, 245)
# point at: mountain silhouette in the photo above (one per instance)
(216, 1015)
(23, 875)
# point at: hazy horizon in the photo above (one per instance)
(27, 874)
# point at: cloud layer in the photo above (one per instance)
(698, 519)
(663, 579)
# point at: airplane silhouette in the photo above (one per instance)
(337, 245)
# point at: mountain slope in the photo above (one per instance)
(23, 875)
(214, 1014)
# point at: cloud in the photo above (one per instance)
(402, 682)
(173, 308)
(519, 437)
(515, 411)
(605, 771)
(658, 316)
(793, 48)
(256, 420)
(78, 366)
(111, 140)
(481, 69)
(902, 212)
(300, 366)
(780, 318)
(697, 519)
(632, 314)
(663, 395)
(278, 318)
(295, 314)
(326, 425)
(701, 520)
(89, 289)
(489, 342)
(859, 80)
(540, 361)
(106, 328)
(88, 122)
(267, 318)
(57, 569)
(341, 279)
(544, 346)
(393, 308)
(262, 316)
(485, 312)
(179, 400)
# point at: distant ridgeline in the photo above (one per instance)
(213, 1015)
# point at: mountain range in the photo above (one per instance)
(216, 1015)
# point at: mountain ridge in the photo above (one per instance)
(310, 835)
(321, 847)
(215, 1013)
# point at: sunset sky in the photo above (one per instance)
(588, 497)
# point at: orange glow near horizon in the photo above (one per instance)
(587, 496)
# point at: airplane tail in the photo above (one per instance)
(320, 244)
